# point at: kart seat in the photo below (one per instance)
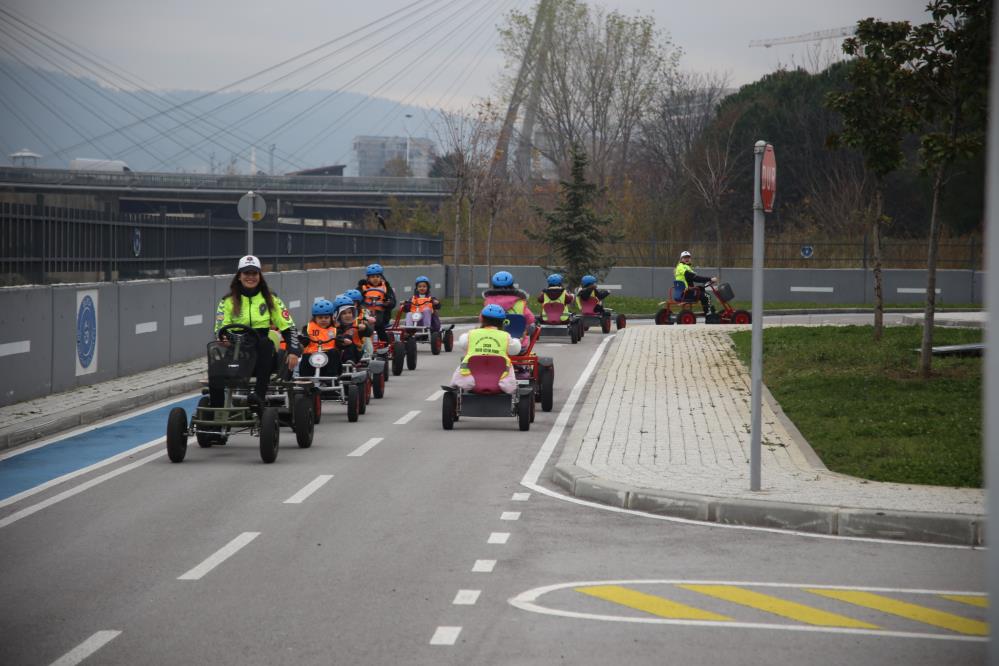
(515, 325)
(553, 313)
(681, 294)
(487, 371)
(588, 306)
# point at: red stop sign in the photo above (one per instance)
(768, 179)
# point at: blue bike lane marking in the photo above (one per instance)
(33, 468)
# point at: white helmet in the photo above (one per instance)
(685, 253)
(249, 261)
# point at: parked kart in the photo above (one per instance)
(486, 399)
(552, 324)
(590, 316)
(684, 300)
(351, 388)
(416, 326)
(288, 402)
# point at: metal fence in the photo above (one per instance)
(779, 253)
(43, 245)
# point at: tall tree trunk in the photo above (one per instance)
(879, 301)
(456, 281)
(926, 348)
(471, 251)
(489, 244)
(718, 239)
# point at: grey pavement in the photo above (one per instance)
(665, 428)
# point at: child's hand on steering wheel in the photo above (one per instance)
(292, 361)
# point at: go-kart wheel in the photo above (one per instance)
(663, 318)
(411, 354)
(362, 402)
(605, 324)
(622, 321)
(304, 421)
(435, 343)
(741, 317)
(378, 386)
(353, 399)
(573, 334)
(270, 434)
(367, 390)
(385, 370)
(317, 406)
(686, 318)
(532, 407)
(449, 408)
(524, 411)
(206, 439)
(176, 434)
(547, 388)
(398, 357)
(448, 340)
(712, 318)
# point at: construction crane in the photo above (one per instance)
(807, 37)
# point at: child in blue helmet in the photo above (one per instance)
(379, 298)
(588, 292)
(489, 339)
(352, 331)
(512, 300)
(319, 335)
(362, 315)
(555, 292)
(423, 304)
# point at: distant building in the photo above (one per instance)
(372, 153)
(332, 170)
(25, 158)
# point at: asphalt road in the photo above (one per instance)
(429, 547)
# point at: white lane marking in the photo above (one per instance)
(87, 648)
(364, 448)
(510, 515)
(914, 290)
(445, 636)
(498, 537)
(530, 481)
(310, 488)
(521, 497)
(526, 601)
(11, 348)
(408, 417)
(66, 494)
(219, 556)
(436, 395)
(294, 304)
(193, 320)
(146, 327)
(466, 597)
(813, 290)
(483, 566)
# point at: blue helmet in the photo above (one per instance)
(322, 306)
(343, 301)
(588, 281)
(354, 295)
(422, 278)
(374, 269)
(503, 279)
(554, 280)
(493, 311)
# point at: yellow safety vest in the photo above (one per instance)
(680, 273)
(561, 299)
(253, 313)
(486, 342)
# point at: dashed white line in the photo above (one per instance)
(364, 448)
(436, 395)
(408, 417)
(87, 648)
(445, 636)
(219, 556)
(310, 488)
(498, 537)
(510, 515)
(483, 566)
(466, 597)
(521, 497)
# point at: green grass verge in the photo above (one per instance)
(863, 409)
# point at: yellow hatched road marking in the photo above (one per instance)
(970, 599)
(909, 611)
(650, 603)
(782, 607)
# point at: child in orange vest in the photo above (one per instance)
(422, 308)
(320, 335)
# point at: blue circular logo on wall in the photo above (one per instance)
(807, 251)
(136, 241)
(86, 331)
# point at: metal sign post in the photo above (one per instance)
(764, 189)
(251, 208)
(991, 389)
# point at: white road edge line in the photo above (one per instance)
(87, 648)
(466, 597)
(530, 480)
(445, 636)
(483, 566)
(408, 417)
(310, 488)
(219, 556)
(66, 494)
(498, 537)
(364, 448)
(510, 515)
(436, 395)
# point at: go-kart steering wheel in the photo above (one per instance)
(237, 329)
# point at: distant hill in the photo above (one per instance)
(48, 112)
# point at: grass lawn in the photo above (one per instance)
(862, 407)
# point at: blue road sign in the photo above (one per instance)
(807, 251)
(86, 331)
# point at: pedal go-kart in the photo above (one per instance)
(552, 324)
(590, 316)
(486, 399)
(289, 403)
(416, 325)
(352, 388)
(684, 301)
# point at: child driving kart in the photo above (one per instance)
(511, 299)
(488, 340)
(379, 298)
(588, 291)
(319, 335)
(685, 274)
(555, 293)
(352, 331)
(361, 314)
(423, 304)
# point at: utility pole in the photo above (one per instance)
(270, 163)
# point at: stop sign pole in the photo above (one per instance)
(764, 190)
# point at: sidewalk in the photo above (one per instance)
(665, 428)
